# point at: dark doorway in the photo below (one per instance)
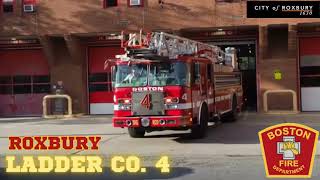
(246, 52)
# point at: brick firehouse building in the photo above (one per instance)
(42, 42)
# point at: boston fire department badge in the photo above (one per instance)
(288, 150)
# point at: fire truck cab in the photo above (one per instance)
(169, 82)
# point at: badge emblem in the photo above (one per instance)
(288, 150)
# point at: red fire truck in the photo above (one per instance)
(166, 82)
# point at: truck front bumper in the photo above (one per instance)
(153, 121)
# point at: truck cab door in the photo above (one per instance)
(210, 87)
(203, 81)
(199, 86)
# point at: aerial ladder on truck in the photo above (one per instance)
(166, 45)
(169, 100)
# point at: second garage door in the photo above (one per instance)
(100, 84)
(310, 73)
(24, 81)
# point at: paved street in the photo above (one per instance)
(231, 150)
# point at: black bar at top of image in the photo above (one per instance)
(283, 9)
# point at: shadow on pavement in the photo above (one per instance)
(80, 121)
(152, 173)
(227, 133)
(20, 120)
(177, 135)
(245, 130)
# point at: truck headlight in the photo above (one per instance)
(172, 106)
(124, 107)
(171, 100)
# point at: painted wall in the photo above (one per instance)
(69, 16)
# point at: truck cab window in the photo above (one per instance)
(209, 72)
(196, 73)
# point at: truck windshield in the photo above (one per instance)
(162, 74)
(131, 75)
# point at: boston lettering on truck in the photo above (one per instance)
(167, 82)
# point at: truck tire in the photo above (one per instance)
(136, 132)
(200, 130)
(233, 115)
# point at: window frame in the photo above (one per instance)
(12, 84)
(107, 82)
(141, 4)
(105, 4)
(2, 10)
(33, 3)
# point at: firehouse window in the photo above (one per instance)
(277, 41)
(24, 84)
(5, 89)
(41, 79)
(98, 77)
(7, 6)
(309, 76)
(36, 89)
(5, 85)
(110, 3)
(22, 79)
(310, 81)
(100, 82)
(22, 89)
(5, 80)
(40, 84)
(98, 87)
(135, 3)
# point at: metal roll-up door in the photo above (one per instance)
(24, 81)
(310, 73)
(100, 82)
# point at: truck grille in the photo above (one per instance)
(147, 103)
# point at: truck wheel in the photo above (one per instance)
(200, 130)
(233, 115)
(136, 132)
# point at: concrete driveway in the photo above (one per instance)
(230, 151)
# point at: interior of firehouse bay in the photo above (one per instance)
(279, 64)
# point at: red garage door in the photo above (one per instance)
(24, 80)
(310, 73)
(100, 85)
